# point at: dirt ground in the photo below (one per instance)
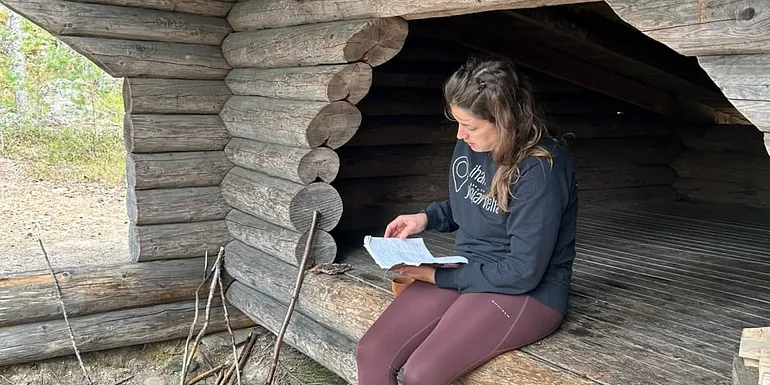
(86, 224)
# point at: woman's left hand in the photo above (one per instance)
(420, 273)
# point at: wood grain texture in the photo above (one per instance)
(739, 138)
(748, 169)
(742, 374)
(144, 133)
(30, 297)
(384, 161)
(753, 340)
(218, 8)
(259, 14)
(326, 83)
(393, 190)
(373, 41)
(43, 340)
(701, 27)
(175, 205)
(67, 18)
(290, 122)
(281, 243)
(176, 240)
(174, 96)
(282, 202)
(297, 164)
(739, 76)
(757, 111)
(349, 307)
(325, 346)
(701, 190)
(132, 58)
(176, 169)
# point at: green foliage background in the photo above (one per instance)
(71, 128)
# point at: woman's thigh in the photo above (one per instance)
(405, 323)
(476, 328)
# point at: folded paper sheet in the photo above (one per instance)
(389, 252)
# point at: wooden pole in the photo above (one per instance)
(294, 297)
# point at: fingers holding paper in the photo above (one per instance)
(406, 225)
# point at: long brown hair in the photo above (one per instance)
(492, 89)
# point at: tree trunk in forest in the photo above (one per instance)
(18, 64)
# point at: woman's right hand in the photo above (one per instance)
(406, 225)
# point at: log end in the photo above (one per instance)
(378, 42)
(127, 100)
(320, 162)
(352, 83)
(128, 133)
(334, 125)
(324, 248)
(316, 196)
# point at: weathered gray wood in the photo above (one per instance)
(174, 96)
(373, 41)
(325, 83)
(282, 202)
(30, 297)
(701, 190)
(383, 161)
(176, 169)
(132, 58)
(218, 8)
(349, 307)
(43, 340)
(767, 142)
(739, 138)
(297, 164)
(167, 133)
(696, 28)
(757, 111)
(176, 240)
(393, 190)
(259, 14)
(743, 375)
(749, 169)
(281, 243)
(327, 347)
(626, 196)
(611, 177)
(290, 122)
(67, 18)
(159, 206)
(739, 76)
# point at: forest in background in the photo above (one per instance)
(60, 115)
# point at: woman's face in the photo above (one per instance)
(478, 133)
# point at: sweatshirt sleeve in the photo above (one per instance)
(533, 226)
(440, 217)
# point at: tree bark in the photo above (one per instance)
(281, 243)
(330, 83)
(373, 41)
(133, 58)
(66, 18)
(176, 169)
(30, 297)
(169, 133)
(176, 205)
(297, 164)
(291, 123)
(281, 202)
(40, 341)
(176, 240)
(174, 96)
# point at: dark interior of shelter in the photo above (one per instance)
(673, 248)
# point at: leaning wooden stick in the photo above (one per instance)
(64, 311)
(205, 375)
(294, 297)
(229, 328)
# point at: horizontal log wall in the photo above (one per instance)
(724, 164)
(398, 161)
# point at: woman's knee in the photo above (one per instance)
(369, 350)
(424, 373)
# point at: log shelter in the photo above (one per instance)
(243, 117)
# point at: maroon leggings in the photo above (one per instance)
(438, 335)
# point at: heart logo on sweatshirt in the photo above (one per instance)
(460, 172)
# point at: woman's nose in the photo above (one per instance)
(461, 133)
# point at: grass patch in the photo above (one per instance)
(67, 154)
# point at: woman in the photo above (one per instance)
(513, 204)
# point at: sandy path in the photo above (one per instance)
(80, 223)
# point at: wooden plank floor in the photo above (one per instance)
(660, 292)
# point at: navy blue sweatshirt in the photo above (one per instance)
(529, 249)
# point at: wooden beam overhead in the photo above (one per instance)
(475, 32)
